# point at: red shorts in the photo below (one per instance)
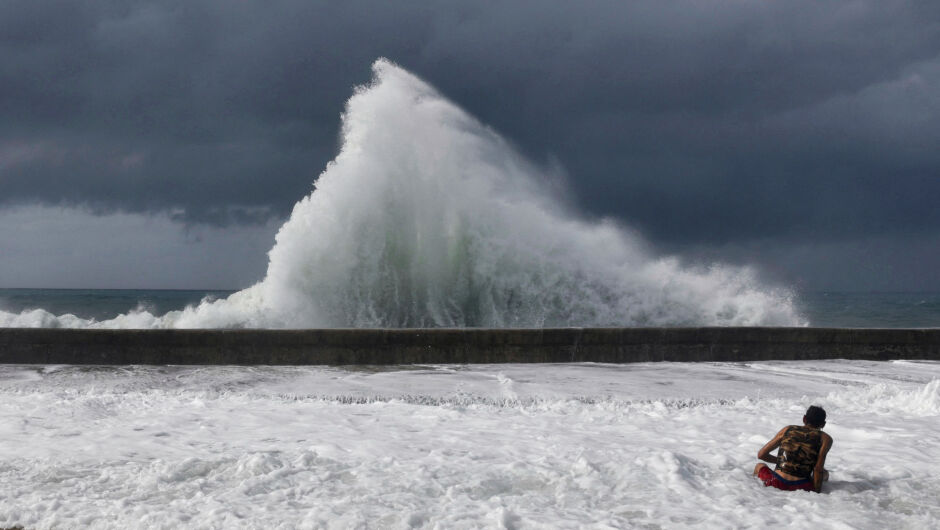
(772, 479)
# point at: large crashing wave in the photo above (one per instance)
(427, 218)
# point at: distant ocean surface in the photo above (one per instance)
(101, 304)
(823, 309)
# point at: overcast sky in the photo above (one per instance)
(161, 144)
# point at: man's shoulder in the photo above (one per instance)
(803, 431)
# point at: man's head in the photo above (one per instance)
(815, 417)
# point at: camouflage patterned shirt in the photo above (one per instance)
(799, 450)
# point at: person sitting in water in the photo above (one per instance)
(802, 456)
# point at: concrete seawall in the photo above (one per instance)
(440, 346)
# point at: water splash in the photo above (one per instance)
(426, 217)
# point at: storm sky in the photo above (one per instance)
(160, 145)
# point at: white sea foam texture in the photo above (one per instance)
(427, 218)
(657, 445)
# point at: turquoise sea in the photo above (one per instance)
(822, 309)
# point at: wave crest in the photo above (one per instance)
(427, 218)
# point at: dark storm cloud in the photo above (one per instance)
(695, 121)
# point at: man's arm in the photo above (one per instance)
(764, 453)
(820, 468)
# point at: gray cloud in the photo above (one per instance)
(72, 248)
(702, 123)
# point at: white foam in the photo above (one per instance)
(649, 445)
(428, 218)
(885, 398)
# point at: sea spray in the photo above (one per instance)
(427, 218)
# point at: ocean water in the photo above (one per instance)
(821, 309)
(428, 218)
(872, 310)
(101, 304)
(657, 445)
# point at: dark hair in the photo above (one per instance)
(815, 416)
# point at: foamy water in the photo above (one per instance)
(658, 445)
(426, 217)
